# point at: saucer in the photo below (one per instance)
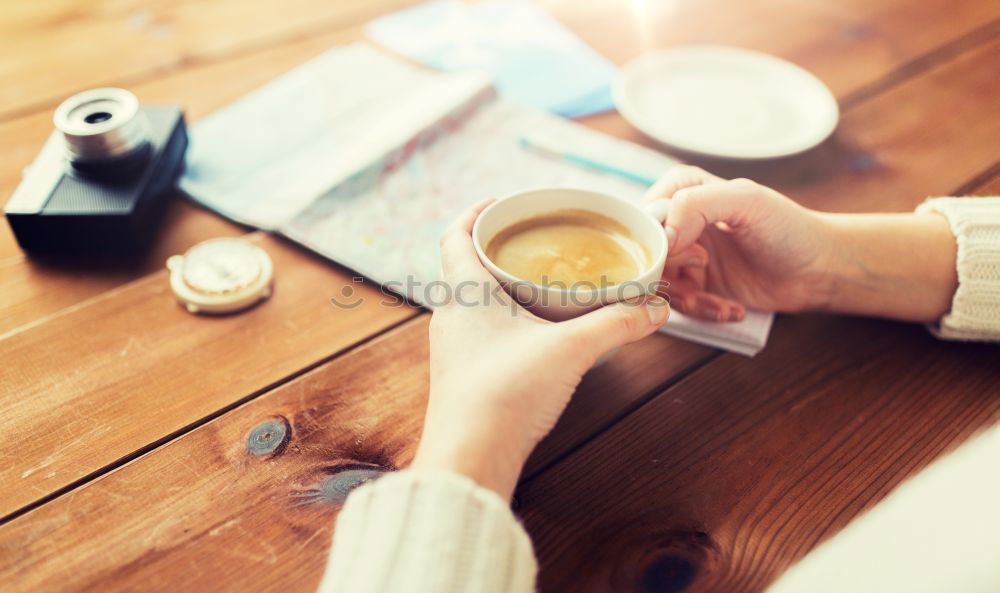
(725, 102)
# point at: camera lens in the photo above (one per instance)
(101, 126)
(96, 118)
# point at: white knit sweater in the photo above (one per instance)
(411, 532)
(415, 532)
(975, 308)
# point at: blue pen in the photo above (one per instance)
(540, 146)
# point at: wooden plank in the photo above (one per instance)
(926, 137)
(95, 383)
(171, 516)
(65, 47)
(724, 480)
(165, 520)
(32, 289)
(616, 388)
(988, 186)
(848, 44)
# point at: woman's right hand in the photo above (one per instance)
(737, 244)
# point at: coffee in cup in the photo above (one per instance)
(562, 252)
(570, 248)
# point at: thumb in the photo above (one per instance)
(618, 324)
(694, 208)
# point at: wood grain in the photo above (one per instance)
(95, 383)
(164, 521)
(115, 43)
(723, 480)
(989, 187)
(925, 137)
(32, 289)
(616, 388)
(849, 44)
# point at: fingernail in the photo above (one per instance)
(657, 308)
(671, 234)
(736, 314)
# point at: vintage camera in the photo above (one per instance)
(101, 181)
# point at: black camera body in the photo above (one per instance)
(102, 179)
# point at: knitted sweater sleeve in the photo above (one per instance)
(975, 308)
(428, 533)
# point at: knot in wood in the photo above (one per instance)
(669, 574)
(268, 437)
(334, 490)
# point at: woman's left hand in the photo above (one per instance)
(500, 376)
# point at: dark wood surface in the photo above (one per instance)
(97, 382)
(152, 450)
(735, 472)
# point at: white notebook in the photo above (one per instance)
(366, 159)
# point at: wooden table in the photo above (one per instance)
(148, 449)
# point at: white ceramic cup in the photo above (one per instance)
(557, 303)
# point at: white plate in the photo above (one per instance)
(726, 102)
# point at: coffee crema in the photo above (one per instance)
(569, 247)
